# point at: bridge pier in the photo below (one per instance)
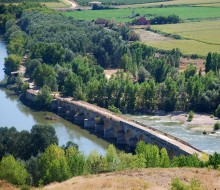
(133, 142)
(70, 115)
(121, 137)
(89, 123)
(54, 106)
(109, 132)
(79, 120)
(61, 112)
(99, 128)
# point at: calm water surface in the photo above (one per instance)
(14, 113)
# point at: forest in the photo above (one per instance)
(28, 165)
(70, 56)
(26, 1)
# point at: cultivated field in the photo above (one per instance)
(60, 4)
(175, 2)
(123, 15)
(187, 47)
(119, 2)
(200, 37)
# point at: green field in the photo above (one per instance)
(187, 47)
(200, 37)
(60, 4)
(205, 31)
(123, 15)
(177, 2)
(119, 2)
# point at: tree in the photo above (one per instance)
(42, 137)
(164, 158)
(13, 171)
(53, 165)
(112, 158)
(12, 63)
(208, 63)
(190, 70)
(76, 161)
(217, 111)
(142, 74)
(96, 163)
(44, 98)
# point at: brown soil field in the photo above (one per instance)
(200, 63)
(151, 179)
(110, 72)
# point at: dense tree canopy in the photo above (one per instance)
(25, 144)
(70, 56)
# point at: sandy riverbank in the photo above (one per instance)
(200, 122)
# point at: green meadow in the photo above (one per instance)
(123, 15)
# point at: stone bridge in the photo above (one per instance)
(112, 126)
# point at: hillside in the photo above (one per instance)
(153, 179)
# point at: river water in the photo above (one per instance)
(14, 113)
(208, 143)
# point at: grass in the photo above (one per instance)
(187, 47)
(206, 31)
(119, 2)
(55, 4)
(209, 5)
(123, 15)
(60, 4)
(175, 2)
(198, 37)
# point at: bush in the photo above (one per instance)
(114, 109)
(217, 126)
(177, 184)
(13, 171)
(217, 111)
(190, 117)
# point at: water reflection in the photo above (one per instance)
(14, 113)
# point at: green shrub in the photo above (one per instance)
(114, 109)
(190, 116)
(177, 184)
(217, 126)
(13, 171)
(217, 111)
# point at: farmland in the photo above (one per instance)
(120, 2)
(60, 4)
(176, 3)
(200, 30)
(123, 15)
(195, 30)
(187, 47)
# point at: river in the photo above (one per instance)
(14, 113)
(207, 143)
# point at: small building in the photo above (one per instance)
(142, 21)
(95, 3)
(101, 21)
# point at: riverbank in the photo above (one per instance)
(200, 122)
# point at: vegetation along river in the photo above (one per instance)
(14, 113)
